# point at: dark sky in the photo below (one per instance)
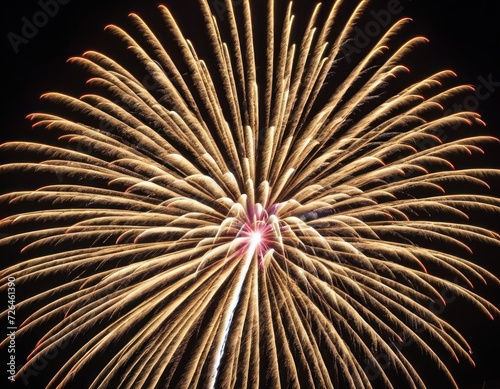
(464, 36)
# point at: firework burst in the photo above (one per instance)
(252, 226)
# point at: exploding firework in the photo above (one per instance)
(218, 223)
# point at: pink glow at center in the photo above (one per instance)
(258, 231)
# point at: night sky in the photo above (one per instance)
(464, 36)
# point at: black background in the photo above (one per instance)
(464, 36)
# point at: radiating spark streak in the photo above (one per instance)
(250, 251)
